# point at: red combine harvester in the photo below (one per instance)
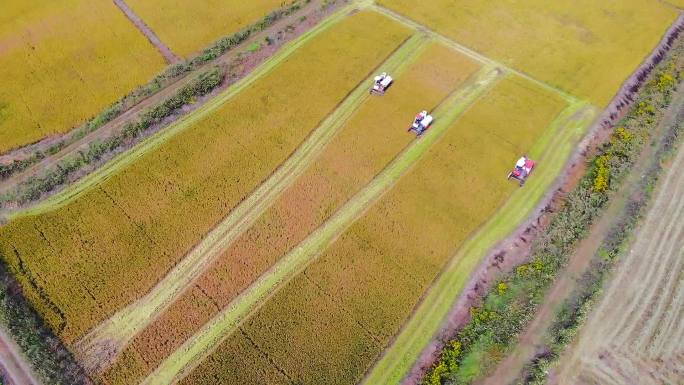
(521, 171)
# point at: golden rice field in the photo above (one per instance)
(635, 332)
(188, 26)
(62, 62)
(82, 261)
(372, 137)
(344, 287)
(331, 322)
(586, 48)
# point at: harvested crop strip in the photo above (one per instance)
(586, 48)
(85, 259)
(62, 62)
(370, 140)
(187, 26)
(344, 308)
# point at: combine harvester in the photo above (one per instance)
(521, 171)
(381, 84)
(421, 123)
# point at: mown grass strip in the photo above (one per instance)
(210, 336)
(551, 150)
(70, 193)
(118, 330)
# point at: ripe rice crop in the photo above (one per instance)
(371, 139)
(331, 322)
(84, 260)
(188, 26)
(587, 48)
(61, 62)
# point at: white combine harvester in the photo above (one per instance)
(421, 123)
(381, 83)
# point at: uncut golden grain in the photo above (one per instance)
(62, 62)
(585, 47)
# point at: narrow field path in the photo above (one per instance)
(154, 141)
(184, 359)
(106, 340)
(163, 49)
(13, 364)
(437, 306)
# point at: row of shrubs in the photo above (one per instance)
(511, 304)
(170, 74)
(36, 186)
(52, 363)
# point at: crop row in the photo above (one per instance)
(586, 48)
(370, 140)
(329, 324)
(87, 258)
(62, 62)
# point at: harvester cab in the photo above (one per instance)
(521, 171)
(381, 83)
(421, 123)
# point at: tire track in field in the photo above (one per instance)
(154, 141)
(102, 344)
(624, 340)
(184, 359)
(551, 150)
(152, 37)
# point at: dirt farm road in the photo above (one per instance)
(13, 366)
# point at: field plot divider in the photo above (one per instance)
(141, 26)
(154, 141)
(551, 151)
(205, 341)
(469, 52)
(113, 334)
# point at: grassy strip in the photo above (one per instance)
(52, 363)
(511, 303)
(576, 309)
(36, 186)
(551, 151)
(212, 334)
(170, 75)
